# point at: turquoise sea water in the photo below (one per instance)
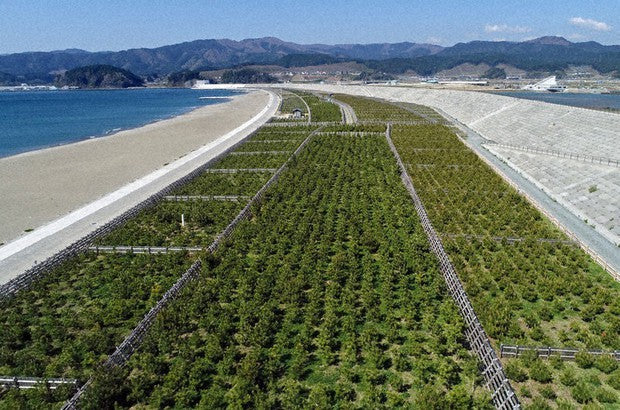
(31, 120)
(575, 99)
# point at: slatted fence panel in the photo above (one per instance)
(502, 394)
(546, 352)
(33, 382)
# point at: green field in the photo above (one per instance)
(530, 292)
(322, 111)
(328, 296)
(66, 324)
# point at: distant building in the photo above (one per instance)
(548, 84)
(297, 113)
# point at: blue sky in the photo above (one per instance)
(43, 25)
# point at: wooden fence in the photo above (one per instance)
(547, 352)
(33, 382)
(260, 152)
(153, 250)
(502, 394)
(238, 170)
(297, 123)
(186, 198)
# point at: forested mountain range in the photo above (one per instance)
(98, 76)
(545, 53)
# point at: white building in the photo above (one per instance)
(548, 84)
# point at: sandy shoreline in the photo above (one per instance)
(39, 186)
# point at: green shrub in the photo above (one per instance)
(584, 360)
(482, 400)
(548, 393)
(345, 391)
(320, 397)
(515, 372)
(531, 320)
(606, 364)
(606, 396)
(537, 333)
(614, 380)
(564, 404)
(529, 357)
(582, 392)
(539, 404)
(540, 372)
(545, 313)
(568, 377)
(593, 379)
(556, 362)
(525, 392)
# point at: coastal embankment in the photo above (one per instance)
(82, 185)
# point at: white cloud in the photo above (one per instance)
(433, 40)
(504, 28)
(589, 23)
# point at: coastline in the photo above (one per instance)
(40, 186)
(110, 133)
(74, 133)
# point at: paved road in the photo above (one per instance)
(582, 231)
(21, 255)
(347, 111)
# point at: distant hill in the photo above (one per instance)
(199, 54)
(7, 79)
(377, 51)
(99, 76)
(545, 54)
(246, 76)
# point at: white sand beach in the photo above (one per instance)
(40, 186)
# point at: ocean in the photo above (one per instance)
(31, 120)
(597, 101)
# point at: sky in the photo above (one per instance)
(101, 25)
